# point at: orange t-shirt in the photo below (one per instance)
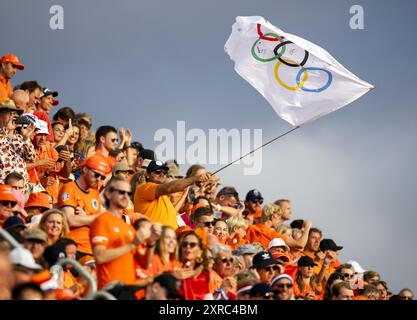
(112, 232)
(111, 161)
(307, 290)
(6, 89)
(71, 195)
(262, 234)
(35, 174)
(157, 266)
(157, 209)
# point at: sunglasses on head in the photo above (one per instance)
(209, 224)
(224, 260)
(121, 192)
(8, 203)
(271, 268)
(190, 244)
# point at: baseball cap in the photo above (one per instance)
(55, 102)
(13, 222)
(329, 244)
(23, 257)
(6, 193)
(281, 257)
(260, 289)
(282, 276)
(171, 285)
(97, 163)
(245, 249)
(356, 266)
(35, 234)
(278, 242)
(121, 167)
(42, 127)
(306, 261)
(13, 59)
(87, 260)
(8, 104)
(38, 199)
(254, 194)
(263, 259)
(147, 154)
(156, 165)
(47, 92)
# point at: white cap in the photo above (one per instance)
(42, 126)
(356, 266)
(24, 258)
(31, 117)
(278, 242)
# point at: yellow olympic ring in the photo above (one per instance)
(302, 82)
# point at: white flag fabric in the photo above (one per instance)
(300, 80)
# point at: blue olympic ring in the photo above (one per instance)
(329, 80)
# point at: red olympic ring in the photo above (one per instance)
(261, 35)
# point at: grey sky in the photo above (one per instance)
(145, 65)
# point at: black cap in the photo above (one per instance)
(13, 222)
(329, 244)
(254, 195)
(263, 259)
(306, 261)
(147, 154)
(170, 283)
(260, 290)
(46, 92)
(297, 224)
(157, 165)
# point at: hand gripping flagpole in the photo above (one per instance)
(265, 144)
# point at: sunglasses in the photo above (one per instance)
(271, 268)
(8, 203)
(284, 285)
(347, 275)
(121, 192)
(406, 298)
(192, 245)
(258, 201)
(159, 172)
(224, 260)
(114, 140)
(98, 175)
(209, 224)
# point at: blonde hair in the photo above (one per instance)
(269, 210)
(236, 222)
(161, 249)
(65, 226)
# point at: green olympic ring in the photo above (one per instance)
(279, 55)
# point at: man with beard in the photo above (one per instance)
(114, 241)
(151, 198)
(80, 201)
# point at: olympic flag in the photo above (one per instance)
(300, 80)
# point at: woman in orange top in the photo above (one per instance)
(306, 286)
(165, 256)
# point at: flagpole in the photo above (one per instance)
(265, 144)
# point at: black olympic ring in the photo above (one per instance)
(287, 63)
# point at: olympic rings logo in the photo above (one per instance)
(277, 53)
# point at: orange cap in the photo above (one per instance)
(99, 164)
(13, 59)
(38, 199)
(6, 193)
(182, 230)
